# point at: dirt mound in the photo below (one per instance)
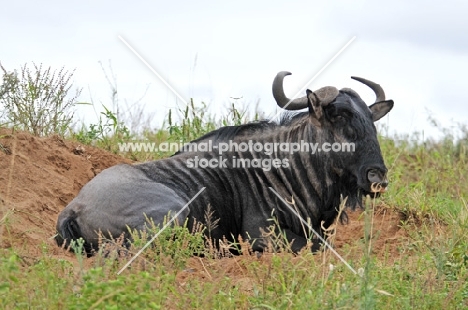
(40, 176)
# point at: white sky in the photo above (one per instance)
(211, 51)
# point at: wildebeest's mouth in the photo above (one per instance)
(376, 189)
(373, 182)
(379, 187)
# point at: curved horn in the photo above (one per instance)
(281, 99)
(379, 92)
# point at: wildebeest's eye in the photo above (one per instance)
(340, 117)
(349, 133)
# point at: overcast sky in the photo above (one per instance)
(212, 51)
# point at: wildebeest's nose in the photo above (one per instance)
(377, 176)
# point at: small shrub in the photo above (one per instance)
(36, 99)
(173, 246)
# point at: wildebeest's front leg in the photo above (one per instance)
(297, 242)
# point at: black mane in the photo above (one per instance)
(226, 133)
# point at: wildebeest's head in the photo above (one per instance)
(342, 116)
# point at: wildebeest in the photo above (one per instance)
(126, 196)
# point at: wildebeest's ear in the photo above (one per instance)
(315, 108)
(380, 109)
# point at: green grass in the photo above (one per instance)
(276, 281)
(428, 187)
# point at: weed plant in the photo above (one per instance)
(37, 100)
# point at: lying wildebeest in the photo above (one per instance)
(126, 196)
